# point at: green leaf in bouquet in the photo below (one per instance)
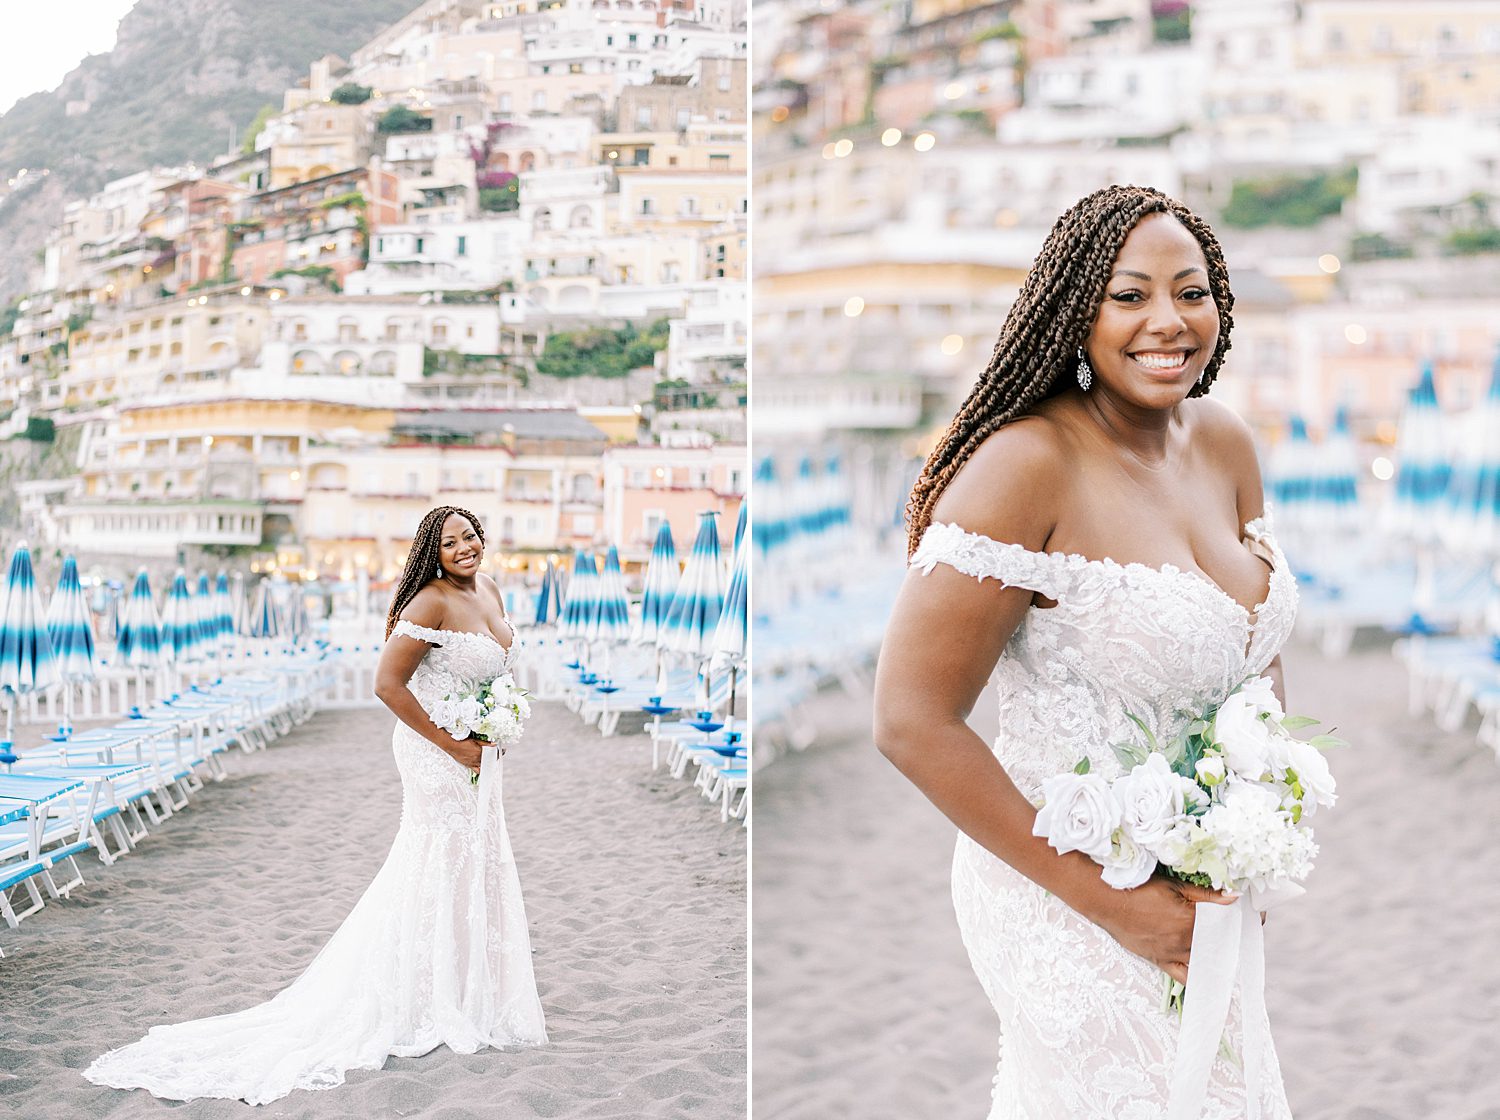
(1151, 742)
(1297, 723)
(1297, 813)
(1197, 727)
(1130, 755)
(1327, 742)
(1082, 767)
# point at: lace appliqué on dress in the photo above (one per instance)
(1084, 1036)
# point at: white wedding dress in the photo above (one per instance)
(1082, 1032)
(435, 952)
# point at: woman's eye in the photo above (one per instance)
(1195, 294)
(1126, 297)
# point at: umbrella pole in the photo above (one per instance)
(734, 671)
(7, 751)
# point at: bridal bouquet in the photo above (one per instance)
(1225, 804)
(494, 711)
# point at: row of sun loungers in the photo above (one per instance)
(104, 789)
(691, 733)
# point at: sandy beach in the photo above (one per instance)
(635, 893)
(1383, 982)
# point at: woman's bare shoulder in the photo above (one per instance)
(1010, 488)
(427, 608)
(1223, 440)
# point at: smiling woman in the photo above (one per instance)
(1090, 536)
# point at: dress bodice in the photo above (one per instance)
(459, 661)
(1161, 644)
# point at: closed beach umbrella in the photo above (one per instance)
(1423, 466)
(770, 526)
(205, 615)
(1290, 468)
(1471, 517)
(1335, 483)
(179, 624)
(689, 626)
(731, 632)
(546, 598)
(298, 623)
(70, 626)
(740, 523)
(223, 611)
(26, 659)
(139, 643)
(264, 620)
(581, 591)
(661, 585)
(611, 617)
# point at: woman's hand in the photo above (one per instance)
(467, 752)
(1155, 921)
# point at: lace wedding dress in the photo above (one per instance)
(435, 952)
(1083, 1035)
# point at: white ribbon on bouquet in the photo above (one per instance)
(1228, 945)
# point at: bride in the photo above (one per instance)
(436, 951)
(1090, 532)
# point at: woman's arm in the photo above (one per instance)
(398, 661)
(946, 633)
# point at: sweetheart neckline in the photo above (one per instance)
(471, 633)
(1250, 615)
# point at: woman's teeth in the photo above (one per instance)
(1162, 361)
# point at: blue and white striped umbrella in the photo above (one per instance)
(1336, 478)
(741, 522)
(205, 616)
(1423, 466)
(837, 501)
(1290, 469)
(179, 624)
(264, 620)
(223, 612)
(771, 528)
(661, 585)
(139, 643)
(26, 660)
(546, 597)
(582, 589)
(298, 623)
(731, 632)
(1471, 514)
(689, 626)
(611, 619)
(71, 628)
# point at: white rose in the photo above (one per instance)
(1128, 864)
(1312, 771)
(469, 711)
(1152, 799)
(1210, 769)
(443, 713)
(1080, 814)
(1242, 734)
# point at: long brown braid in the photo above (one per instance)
(423, 559)
(1036, 355)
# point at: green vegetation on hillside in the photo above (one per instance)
(1289, 200)
(602, 352)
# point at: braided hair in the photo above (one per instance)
(1036, 354)
(424, 558)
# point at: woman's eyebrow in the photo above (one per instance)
(1142, 276)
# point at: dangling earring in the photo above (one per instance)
(440, 572)
(1085, 371)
